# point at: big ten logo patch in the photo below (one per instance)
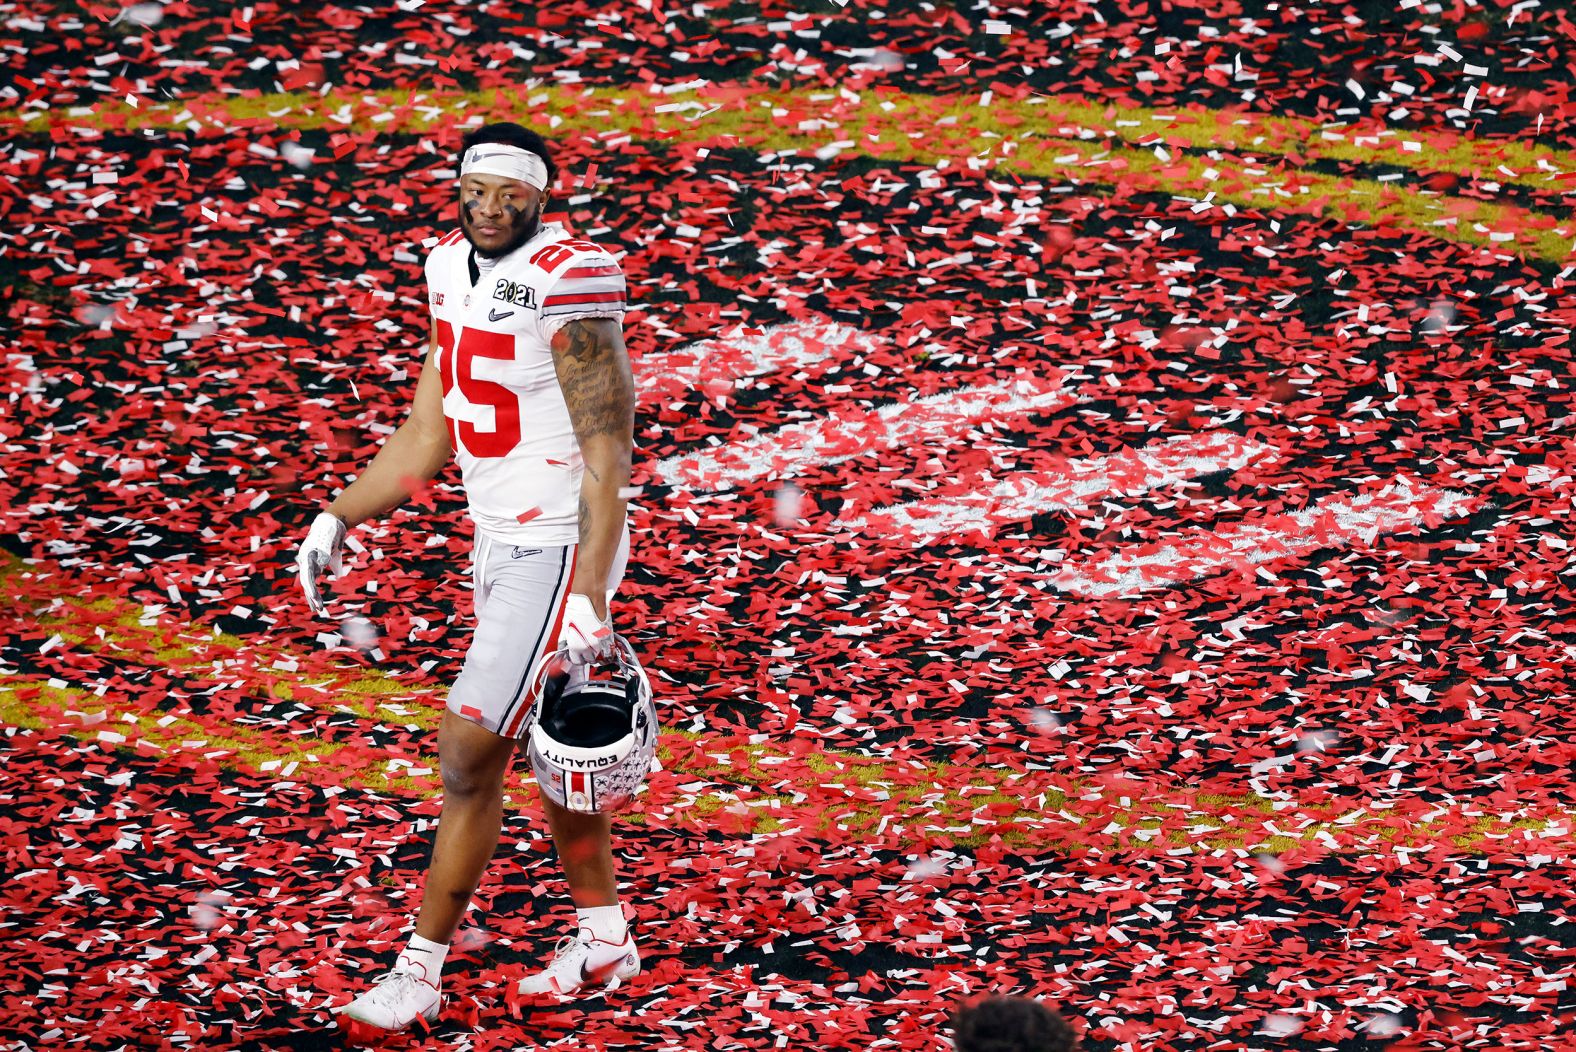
(517, 293)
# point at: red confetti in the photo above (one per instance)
(1031, 627)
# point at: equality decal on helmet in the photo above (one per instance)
(592, 734)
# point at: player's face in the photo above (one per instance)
(498, 214)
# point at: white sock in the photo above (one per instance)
(426, 956)
(604, 922)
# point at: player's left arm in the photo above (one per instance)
(599, 389)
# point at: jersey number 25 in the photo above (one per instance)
(473, 344)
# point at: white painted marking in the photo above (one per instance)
(850, 431)
(1339, 521)
(1084, 484)
(717, 365)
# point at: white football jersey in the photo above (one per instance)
(507, 419)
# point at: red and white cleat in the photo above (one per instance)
(582, 963)
(397, 999)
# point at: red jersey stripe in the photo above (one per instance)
(584, 297)
(609, 271)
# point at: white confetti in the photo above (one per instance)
(360, 633)
(886, 60)
(296, 155)
(1382, 1025)
(1280, 1025)
(1317, 741)
(207, 910)
(144, 14)
(1440, 314)
(1045, 721)
(788, 504)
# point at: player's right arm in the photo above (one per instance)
(413, 454)
(410, 457)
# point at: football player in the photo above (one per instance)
(527, 384)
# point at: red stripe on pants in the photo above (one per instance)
(513, 730)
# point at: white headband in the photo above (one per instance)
(511, 162)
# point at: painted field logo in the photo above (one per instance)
(848, 430)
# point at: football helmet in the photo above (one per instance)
(593, 729)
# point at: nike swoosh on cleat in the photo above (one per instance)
(493, 315)
(599, 976)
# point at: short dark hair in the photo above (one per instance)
(512, 134)
(1011, 1024)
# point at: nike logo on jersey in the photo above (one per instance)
(522, 553)
(493, 315)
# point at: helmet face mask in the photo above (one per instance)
(593, 730)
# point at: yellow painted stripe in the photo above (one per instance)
(636, 111)
(1296, 139)
(750, 787)
(874, 806)
(1040, 137)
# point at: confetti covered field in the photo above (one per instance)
(1105, 527)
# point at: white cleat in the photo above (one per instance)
(396, 1000)
(584, 963)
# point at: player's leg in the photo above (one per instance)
(487, 711)
(520, 598)
(473, 761)
(603, 951)
(585, 842)
(585, 850)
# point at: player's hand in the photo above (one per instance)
(320, 549)
(585, 635)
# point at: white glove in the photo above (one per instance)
(585, 635)
(320, 549)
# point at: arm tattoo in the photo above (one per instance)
(585, 518)
(580, 341)
(593, 372)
